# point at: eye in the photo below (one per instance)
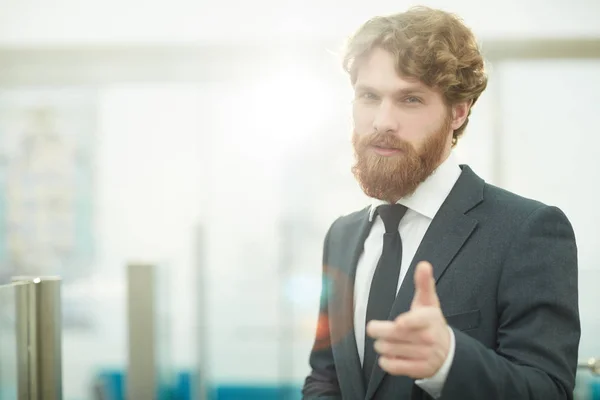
(412, 100)
(367, 96)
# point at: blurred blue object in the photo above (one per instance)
(275, 392)
(165, 393)
(112, 384)
(595, 388)
(112, 387)
(183, 386)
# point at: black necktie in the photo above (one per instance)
(385, 280)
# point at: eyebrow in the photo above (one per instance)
(361, 87)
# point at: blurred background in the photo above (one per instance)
(212, 141)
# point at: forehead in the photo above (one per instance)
(378, 70)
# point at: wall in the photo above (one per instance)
(67, 22)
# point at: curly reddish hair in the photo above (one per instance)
(430, 45)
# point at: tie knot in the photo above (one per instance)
(391, 214)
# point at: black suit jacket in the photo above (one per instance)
(506, 275)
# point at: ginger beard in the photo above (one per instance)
(390, 178)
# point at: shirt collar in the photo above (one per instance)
(432, 192)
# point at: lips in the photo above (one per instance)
(390, 148)
(385, 151)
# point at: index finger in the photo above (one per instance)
(415, 319)
(382, 330)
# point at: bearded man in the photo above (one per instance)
(444, 287)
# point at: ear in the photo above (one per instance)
(460, 112)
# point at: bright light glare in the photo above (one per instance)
(303, 291)
(286, 110)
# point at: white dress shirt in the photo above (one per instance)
(422, 206)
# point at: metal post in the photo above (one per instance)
(39, 328)
(26, 354)
(141, 317)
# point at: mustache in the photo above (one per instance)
(385, 140)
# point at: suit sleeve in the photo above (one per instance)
(322, 382)
(538, 327)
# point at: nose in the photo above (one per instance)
(384, 121)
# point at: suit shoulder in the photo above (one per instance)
(518, 207)
(355, 214)
(509, 201)
(341, 222)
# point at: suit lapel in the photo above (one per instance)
(447, 233)
(354, 235)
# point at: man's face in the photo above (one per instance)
(402, 129)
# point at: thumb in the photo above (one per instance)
(425, 294)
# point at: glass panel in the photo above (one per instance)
(550, 142)
(8, 343)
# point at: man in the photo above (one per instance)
(445, 287)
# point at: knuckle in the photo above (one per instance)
(429, 353)
(400, 325)
(381, 346)
(427, 337)
(424, 352)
